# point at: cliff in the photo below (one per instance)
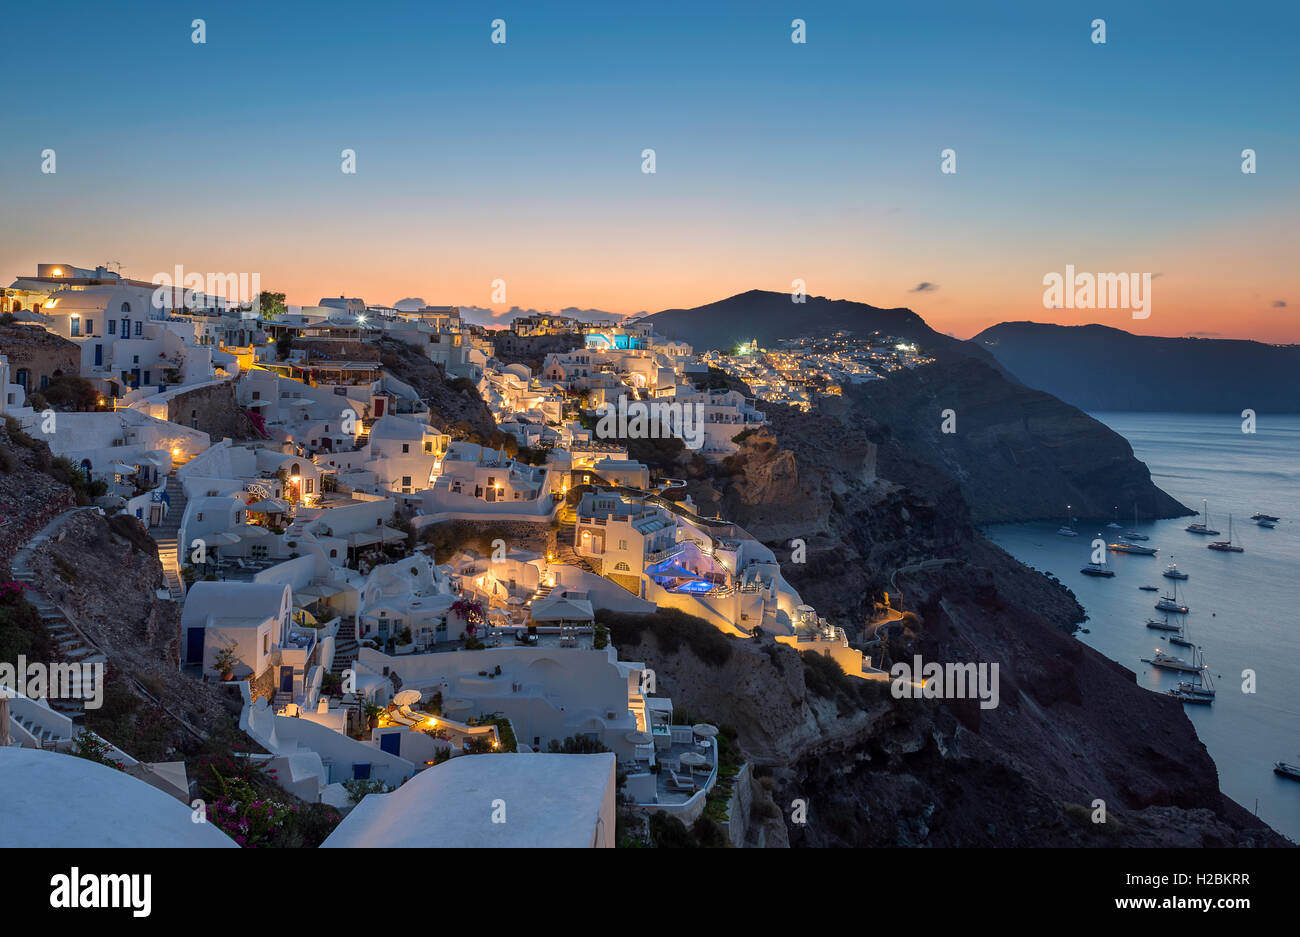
(1101, 368)
(1071, 727)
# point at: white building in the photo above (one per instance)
(495, 801)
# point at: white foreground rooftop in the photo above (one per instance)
(56, 800)
(536, 801)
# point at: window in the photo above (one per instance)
(406, 448)
(334, 554)
(310, 485)
(139, 327)
(266, 644)
(126, 307)
(621, 568)
(76, 326)
(406, 481)
(622, 544)
(112, 326)
(90, 326)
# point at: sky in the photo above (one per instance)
(775, 161)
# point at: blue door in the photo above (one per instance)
(286, 679)
(99, 355)
(361, 771)
(391, 743)
(194, 646)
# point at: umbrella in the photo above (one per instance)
(121, 468)
(693, 760)
(637, 737)
(704, 730)
(220, 539)
(252, 532)
(407, 697)
(269, 506)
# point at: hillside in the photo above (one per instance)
(1018, 454)
(769, 317)
(1101, 368)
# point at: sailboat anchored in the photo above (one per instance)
(1067, 530)
(1203, 527)
(1226, 546)
(1132, 534)
(1169, 603)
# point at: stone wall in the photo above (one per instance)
(42, 354)
(213, 410)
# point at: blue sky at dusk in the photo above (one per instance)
(774, 160)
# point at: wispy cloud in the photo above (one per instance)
(1279, 304)
(924, 287)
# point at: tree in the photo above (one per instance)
(270, 305)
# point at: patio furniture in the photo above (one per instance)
(678, 783)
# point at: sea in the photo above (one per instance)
(1244, 608)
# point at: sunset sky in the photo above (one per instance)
(775, 161)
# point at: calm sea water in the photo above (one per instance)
(1245, 607)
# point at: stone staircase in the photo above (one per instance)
(73, 647)
(345, 647)
(564, 551)
(165, 535)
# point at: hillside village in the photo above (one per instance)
(392, 537)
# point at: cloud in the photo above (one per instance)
(1204, 334)
(1279, 304)
(410, 304)
(924, 287)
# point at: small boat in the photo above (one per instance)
(1264, 517)
(1115, 522)
(1165, 661)
(1149, 588)
(1203, 527)
(1068, 532)
(1188, 697)
(1162, 625)
(1122, 547)
(1097, 569)
(1132, 533)
(1269, 524)
(1173, 572)
(1226, 546)
(1180, 640)
(1286, 770)
(1169, 603)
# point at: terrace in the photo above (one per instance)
(670, 745)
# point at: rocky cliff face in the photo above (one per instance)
(1071, 727)
(1016, 453)
(454, 406)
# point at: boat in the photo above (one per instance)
(1149, 588)
(1169, 603)
(1188, 697)
(1226, 546)
(1122, 547)
(1067, 530)
(1266, 523)
(1203, 527)
(1133, 533)
(1180, 639)
(1286, 770)
(1115, 523)
(1097, 569)
(1161, 625)
(1173, 572)
(1264, 517)
(1165, 661)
